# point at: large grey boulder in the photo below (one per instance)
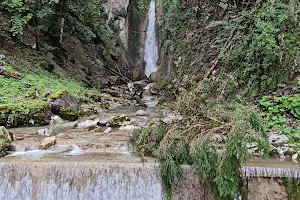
(277, 139)
(64, 105)
(153, 77)
(138, 75)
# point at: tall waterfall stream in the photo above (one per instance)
(151, 47)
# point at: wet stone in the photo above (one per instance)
(47, 142)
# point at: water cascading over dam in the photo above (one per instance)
(79, 181)
(151, 46)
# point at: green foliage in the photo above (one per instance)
(143, 5)
(148, 139)
(263, 41)
(23, 11)
(282, 113)
(16, 91)
(264, 46)
(16, 114)
(206, 161)
(25, 99)
(292, 188)
(178, 144)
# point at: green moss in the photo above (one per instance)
(68, 114)
(292, 188)
(160, 86)
(58, 94)
(15, 114)
(5, 146)
(46, 65)
(44, 84)
(118, 120)
(140, 101)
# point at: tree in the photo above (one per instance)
(24, 12)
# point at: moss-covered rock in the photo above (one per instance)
(5, 141)
(118, 120)
(115, 80)
(46, 65)
(140, 101)
(58, 94)
(64, 105)
(33, 112)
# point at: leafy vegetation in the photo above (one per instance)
(257, 44)
(24, 11)
(282, 113)
(190, 141)
(292, 188)
(57, 19)
(24, 101)
(232, 53)
(38, 84)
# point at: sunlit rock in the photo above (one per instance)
(47, 142)
(141, 113)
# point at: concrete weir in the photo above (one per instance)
(93, 181)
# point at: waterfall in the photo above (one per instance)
(151, 47)
(269, 172)
(79, 181)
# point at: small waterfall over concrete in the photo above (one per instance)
(151, 47)
(270, 172)
(79, 181)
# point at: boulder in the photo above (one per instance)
(141, 113)
(114, 93)
(4, 133)
(295, 156)
(138, 74)
(277, 139)
(45, 132)
(64, 105)
(115, 80)
(10, 74)
(108, 130)
(140, 101)
(87, 124)
(47, 142)
(118, 120)
(153, 77)
(138, 88)
(56, 120)
(129, 128)
(5, 141)
(102, 123)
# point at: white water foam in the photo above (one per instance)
(79, 181)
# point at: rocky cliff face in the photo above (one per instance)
(131, 21)
(117, 11)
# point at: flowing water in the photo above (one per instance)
(151, 47)
(79, 180)
(271, 168)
